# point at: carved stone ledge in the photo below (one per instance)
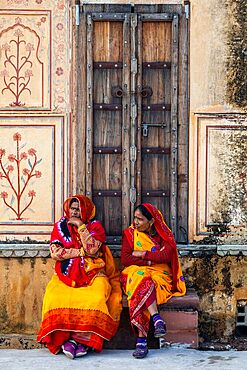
(193, 250)
(200, 250)
(24, 250)
(232, 250)
(196, 250)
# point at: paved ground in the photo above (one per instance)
(172, 358)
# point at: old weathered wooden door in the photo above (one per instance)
(131, 112)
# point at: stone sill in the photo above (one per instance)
(192, 250)
(220, 249)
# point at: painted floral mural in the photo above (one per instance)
(16, 171)
(19, 72)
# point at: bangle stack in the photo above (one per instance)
(82, 227)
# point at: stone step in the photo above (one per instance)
(180, 315)
(182, 327)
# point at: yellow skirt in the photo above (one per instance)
(76, 310)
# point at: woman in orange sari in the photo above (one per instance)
(152, 273)
(82, 302)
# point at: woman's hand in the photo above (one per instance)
(139, 253)
(75, 221)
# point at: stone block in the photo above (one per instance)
(189, 337)
(180, 320)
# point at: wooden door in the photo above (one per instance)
(131, 113)
(157, 81)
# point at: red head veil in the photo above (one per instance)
(77, 276)
(87, 207)
(160, 225)
(166, 234)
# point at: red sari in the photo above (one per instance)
(83, 299)
(142, 283)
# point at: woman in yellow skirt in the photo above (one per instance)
(82, 302)
(152, 273)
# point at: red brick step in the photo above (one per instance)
(180, 315)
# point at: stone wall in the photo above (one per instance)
(23, 282)
(219, 281)
(217, 155)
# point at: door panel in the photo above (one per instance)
(156, 41)
(112, 219)
(156, 160)
(107, 135)
(131, 115)
(107, 41)
(108, 132)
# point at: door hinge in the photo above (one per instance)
(133, 153)
(133, 65)
(133, 112)
(77, 14)
(132, 195)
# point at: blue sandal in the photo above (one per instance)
(160, 329)
(141, 350)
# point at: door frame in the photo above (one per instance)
(179, 191)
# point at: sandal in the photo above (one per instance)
(69, 349)
(81, 350)
(160, 329)
(141, 350)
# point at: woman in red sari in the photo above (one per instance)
(82, 302)
(152, 273)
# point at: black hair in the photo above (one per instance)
(144, 211)
(73, 200)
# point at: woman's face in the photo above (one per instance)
(141, 223)
(74, 210)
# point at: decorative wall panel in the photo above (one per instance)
(35, 55)
(25, 59)
(221, 172)
(33, 173)
(35, 124)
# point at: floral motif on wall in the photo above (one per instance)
(16, 173)
(25, 62)
(57, 79)
(45, 131)
(61, 37)
(18, 72)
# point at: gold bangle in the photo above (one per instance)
(82, 252)
(82, 227)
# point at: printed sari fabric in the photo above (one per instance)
(142, 284)
(77, 272)
(83, 298)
